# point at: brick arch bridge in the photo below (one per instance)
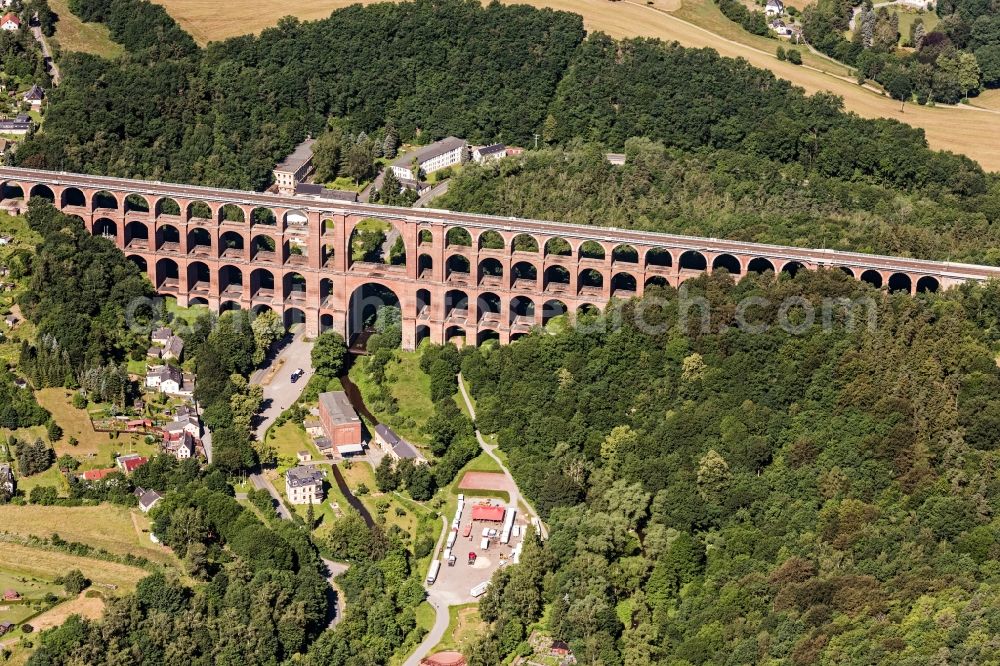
(476, 275)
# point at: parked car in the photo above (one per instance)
(297, 375)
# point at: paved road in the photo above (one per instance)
(490, 449)
(431, 194)
(334, 569)
(36, 30)
(440, 604)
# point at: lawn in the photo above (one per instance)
(21, 560)
(411, 387)
(72, 34)
(32, 590)
(464, 626)
(115, 529)
(907, 18)
(288, 439)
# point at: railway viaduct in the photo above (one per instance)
(459, 274)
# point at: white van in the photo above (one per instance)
(433, 573)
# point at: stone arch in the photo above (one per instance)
(848, 271)
(376, 241)
(264, 216)
(457, 237)
(263, 248)
(590, 278)
(423, 303)
(73, 196)
(591, 250)
(231, 240)
(139, 262)
(136, 231)
(294, 285)
(106, 228)
(623, 285)
(657, 281)
(458, 266)
(292, 317)
(760, 265)
(514, 337)
(167, 274)
(167, 206)
(928, 284)
(197, 301)
(364, 305)
(792, 268)
(261, 283)
(295, 218)
(524, 243)
(42, 191)
(693, 260)
(559, 247)
(199, 210)
(232, 213)
(327, 225)
(14, 191)
(872, 277)
(556, 278)
(167, 234)
(230, 279)
(491, 240)
(488, 306)
(727, 262)
(425, 237)
(553, 308)
(625, 253)
(325, 290)
(198, 275)
(491, 270)
(659, 257)
(526, 271)
(487, 335)
(587, 309)
(423, 333)
(136, 203)
(199, 240)
(456, 304)
(229, 306)
(425, 266)
(453, 332)
(103, 200)
(522, 311)
(900, 282)
(260, 308)
(326, 323)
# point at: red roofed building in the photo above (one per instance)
(493, 513)
(10, 22)
(130, 462)
(97, 474)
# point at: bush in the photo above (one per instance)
(27, 628)
(423, 547)
(79, 401)
(794, 57)
(781, 53)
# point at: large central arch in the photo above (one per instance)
(364, 305)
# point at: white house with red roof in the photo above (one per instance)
(10, 22)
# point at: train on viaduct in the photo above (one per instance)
(453, 274)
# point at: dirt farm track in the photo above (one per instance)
(971, 130)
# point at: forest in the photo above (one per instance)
(719, 496)
(729, 194)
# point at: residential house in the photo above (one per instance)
(34, 97)
(161, 335)
(314, 427)
(8, 484)
(18, 126)
(304, 485)
(10, 22)
(129, 462)
(774, 8)
(147, 498)
(325, 446)
(166, 379)
(432, 157)
(6, 627)
(174, 348)
(154, 352)
(393, 444)
(493, 151)
(304, 456)
(183, 447)
(11, 320)
(97, 474)
(188, 423)
(779, 27)
(294, 168)
(11, 595)
(340, 421)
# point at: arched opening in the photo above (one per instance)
(592, 250)
(231, 213)
(848, 271)
(522, 311)
(263, 216)
(590, 280)
(623, 285)
(423, 333)
(106, 229)
(927, 285)
(328, 226)
(514, 337)
(294, 286)
(231, 280)
(792, 268)
(325, 292)
(168, 237)
(167, 275)
(551, 309)
(229, 306)
(262, 283)
(139, 262)
(523, 275)
(231, 244)
(259, 308)
(457, 267)
(488, 306)
(659, 257)
(377, 242)
(326, 323)
(625, 254)
(197, 302)
(42, 192)
(293, 317)
(262, 248)
(900, 282)
(693, 260)
(199, 210)
(73, 196)
(490, 240)
(587, 310)
(137, 233)
(104, 200)
(760, 265)
(456, 304)
(524, 243)
(425, 237)
(457, 236)
(423, 304)
(559, 247)
(199, 277)
(490, 271)
(487, 336)
(167, 206)
(727, 262)
(11, 191)
(657, 281)
(296, 251)
(455, 335)
(874, 278)
(136, 203)
(425, 266)
(199, 241)
(372, 308)
(296, 218)
(557, 278)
